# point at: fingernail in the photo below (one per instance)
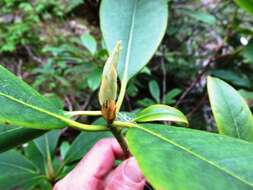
(132, 171)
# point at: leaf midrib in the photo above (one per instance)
(17, 166)
(33, 107)
(195, 155)
(129, 42)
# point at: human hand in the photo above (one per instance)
(96, 170)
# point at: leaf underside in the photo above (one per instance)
(129, 21)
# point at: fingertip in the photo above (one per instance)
(127, 176)
(132, 171)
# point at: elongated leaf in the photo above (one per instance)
(160, 112)
(47, 143)
(17, 172)
(154, 90)
(139, 24)
(231, 113)
(201, 16)
(11, 136)
(21, 105)
(246, 5)
(179, 158)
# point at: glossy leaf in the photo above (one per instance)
(231, 113)
(160, 112)
(17, 172)
(179, 158)
(246, 5)
(129, 21)
(11, 136)
(154, 90)
(21, 105)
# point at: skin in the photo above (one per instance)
(96, 170)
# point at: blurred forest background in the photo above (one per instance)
(57, 47)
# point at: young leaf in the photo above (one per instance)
(11, 136)
(246, 5)
(108, 88)
(129, 22)
(231, 113)
(179, 158)
(154, 90)
(160, 112)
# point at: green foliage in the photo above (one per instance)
(139, 17)
(154, 90)
(60, 51)
(177, 158)
(158, 112)
(232, 115)
(11, 136)
(17, 97)
(246, 5)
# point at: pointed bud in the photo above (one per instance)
(108, 89)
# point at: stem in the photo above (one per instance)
(84, 127)
(120, 138)
(123, 124)
(86, 113)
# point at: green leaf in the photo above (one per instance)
(46, 144)
(233, 77)
(21, 105)
(246, 5)
(25, 107)
(11, 136)
(180, 158)
(247, 95)
(17, 172)
(64, 149)
(154, 90)
(41, 150)
(94, 79)
(82, 145)
(201, 16)
(169, 97)
(73, 4)
(160, 112)
(139, 24)
(231, 113)
(89, 42)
